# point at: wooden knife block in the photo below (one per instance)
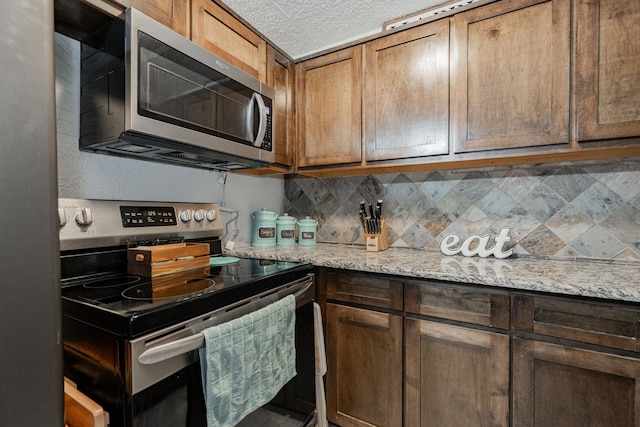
(377, 242)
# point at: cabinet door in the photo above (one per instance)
(558, 385)
(608, 69)
(281, 77)
(455, 376)
(510, 75)
(364, 367)
(218, 31)
(172, 13)
(329, 109)
(406, 93)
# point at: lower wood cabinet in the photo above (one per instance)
(575, 363)
(455, 376)
(423, 353)
(561, 385)
(364, 367)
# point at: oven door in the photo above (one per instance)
(165, 385)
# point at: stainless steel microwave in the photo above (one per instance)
(149, 93)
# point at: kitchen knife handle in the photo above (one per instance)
(379, 209)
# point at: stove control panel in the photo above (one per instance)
(148, 216)
(91, 223)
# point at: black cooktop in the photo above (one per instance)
(131, 306)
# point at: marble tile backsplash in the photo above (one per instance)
(561, 211)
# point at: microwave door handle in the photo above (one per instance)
(262, 127)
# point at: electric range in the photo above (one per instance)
(110, 317)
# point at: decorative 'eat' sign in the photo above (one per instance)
(449, 242)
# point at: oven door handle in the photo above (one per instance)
(193, 342)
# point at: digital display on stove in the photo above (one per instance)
(147, 216)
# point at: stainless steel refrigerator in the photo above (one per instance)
(31, 387)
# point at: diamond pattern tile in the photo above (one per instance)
(436, 186)
(624, 224)
(496, 204)
(598, 201)
(598, 243)
(401, 188)
(562, 211)
(569, 182)
(542, 203)
(569, 223)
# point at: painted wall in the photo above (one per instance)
(94, 176)
(560, 211)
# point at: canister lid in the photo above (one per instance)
(286, 219)
(265, 214)
(307, 221)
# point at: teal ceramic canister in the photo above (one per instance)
(263, 232)
(285, 230)
(307, 230)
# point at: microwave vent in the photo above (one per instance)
(190, 158)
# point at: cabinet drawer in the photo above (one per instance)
(461, 303)
(593, 323)
(373, 290)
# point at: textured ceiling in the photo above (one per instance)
(304, 27)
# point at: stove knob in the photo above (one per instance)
(211, 215)
(62, 217)
(198, 215)
(185, 215)
(84, 217)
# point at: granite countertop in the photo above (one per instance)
(598, 279)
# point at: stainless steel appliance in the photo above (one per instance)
(149, 93)
(132, 346)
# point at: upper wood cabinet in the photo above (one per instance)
(608, 69)
(218, 31)
(172, 13)
(329, 109)
(510, 75)
(281, 77)
(406, 93)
